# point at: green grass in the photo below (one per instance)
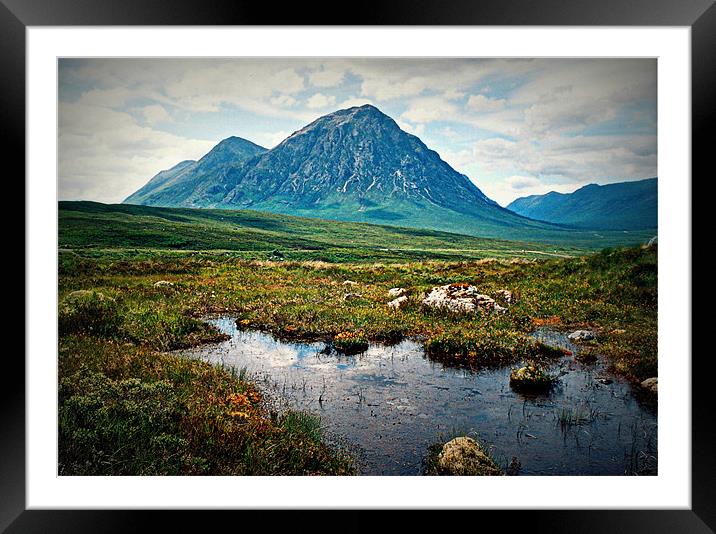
(128, 407)
(613, 292)
(260, 235)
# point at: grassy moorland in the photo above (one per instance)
(261, 235)
(129, 407)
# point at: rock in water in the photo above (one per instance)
(396, 292)
(651, 384)
(398, 303)
(581, 335)
(464, 456)
(460, 298)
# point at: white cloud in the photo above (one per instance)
(193, 85)
(154, 114)
(453, 94)
(354, 102)
(284, 101)
(320, 101)
(461, 160)
(106, 155)
(579, 159)
(210, 85)
(495, 153)
(385, 89)
(417, 129)
(572, 95)
(506, 190)
(112, 97)
(523, 182)
(429, 109)
(389, 79)
(271, 139)
(483, 104)
(326, 77)
(450, 133)
(500, 119)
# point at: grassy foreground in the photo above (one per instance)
(128, 407)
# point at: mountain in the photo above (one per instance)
(620, 206)
(354, 164)
(173, 187)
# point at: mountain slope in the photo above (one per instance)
(193, 178)
(358, 154)
(620, 206)
(353, 165)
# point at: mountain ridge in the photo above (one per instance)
(352, 151)
(184, 177)
(354, 164)
(618, 206)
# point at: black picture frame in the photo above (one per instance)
(699, 15)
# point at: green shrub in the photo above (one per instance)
(165, 329)
(125, 427)
(89, 312)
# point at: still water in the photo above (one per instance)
(391, 403)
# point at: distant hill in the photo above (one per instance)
(620, 206)
(353, 165)
(189, 178)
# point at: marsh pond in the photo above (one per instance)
(391, 403)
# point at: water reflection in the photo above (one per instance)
(393, 403)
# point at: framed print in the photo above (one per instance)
(433, 245)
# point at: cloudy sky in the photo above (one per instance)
(515, 127)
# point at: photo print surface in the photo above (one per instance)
(357, 266)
